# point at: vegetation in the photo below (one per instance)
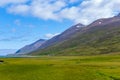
(96, 40)
(104, 67)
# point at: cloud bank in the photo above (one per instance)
(83, 11)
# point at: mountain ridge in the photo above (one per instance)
(65, 35)
(99, 37)
(31, 47)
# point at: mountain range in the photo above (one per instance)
(32, 47)
(100, 37)
(40, 44)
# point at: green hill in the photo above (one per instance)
(100, 37)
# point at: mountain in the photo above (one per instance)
(63, 36)
(40, 44)
(100, 37)
(31, 47)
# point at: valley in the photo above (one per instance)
(60, 40)
(102, 67)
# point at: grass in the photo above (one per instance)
(95, 40)
(104, 67)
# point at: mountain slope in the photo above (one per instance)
(62, 37)
(40, 44)
(100, 37)
(31, 47)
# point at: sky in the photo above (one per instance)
(24, 21)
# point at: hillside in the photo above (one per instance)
(40, 44)
(100, 37)
(66, 35)
(31, 47)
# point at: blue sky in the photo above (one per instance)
(17, 31)
(25, 21)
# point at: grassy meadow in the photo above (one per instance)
(104, 67)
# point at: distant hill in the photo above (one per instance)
(32, 47)
(100, 37)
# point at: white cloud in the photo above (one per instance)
(70, 13)
(6, 2)
(95, 9)
(90, 10)
(46, 9)
(19, 9)
(84, 12)
(50, 35)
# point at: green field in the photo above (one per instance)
(104, 67)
